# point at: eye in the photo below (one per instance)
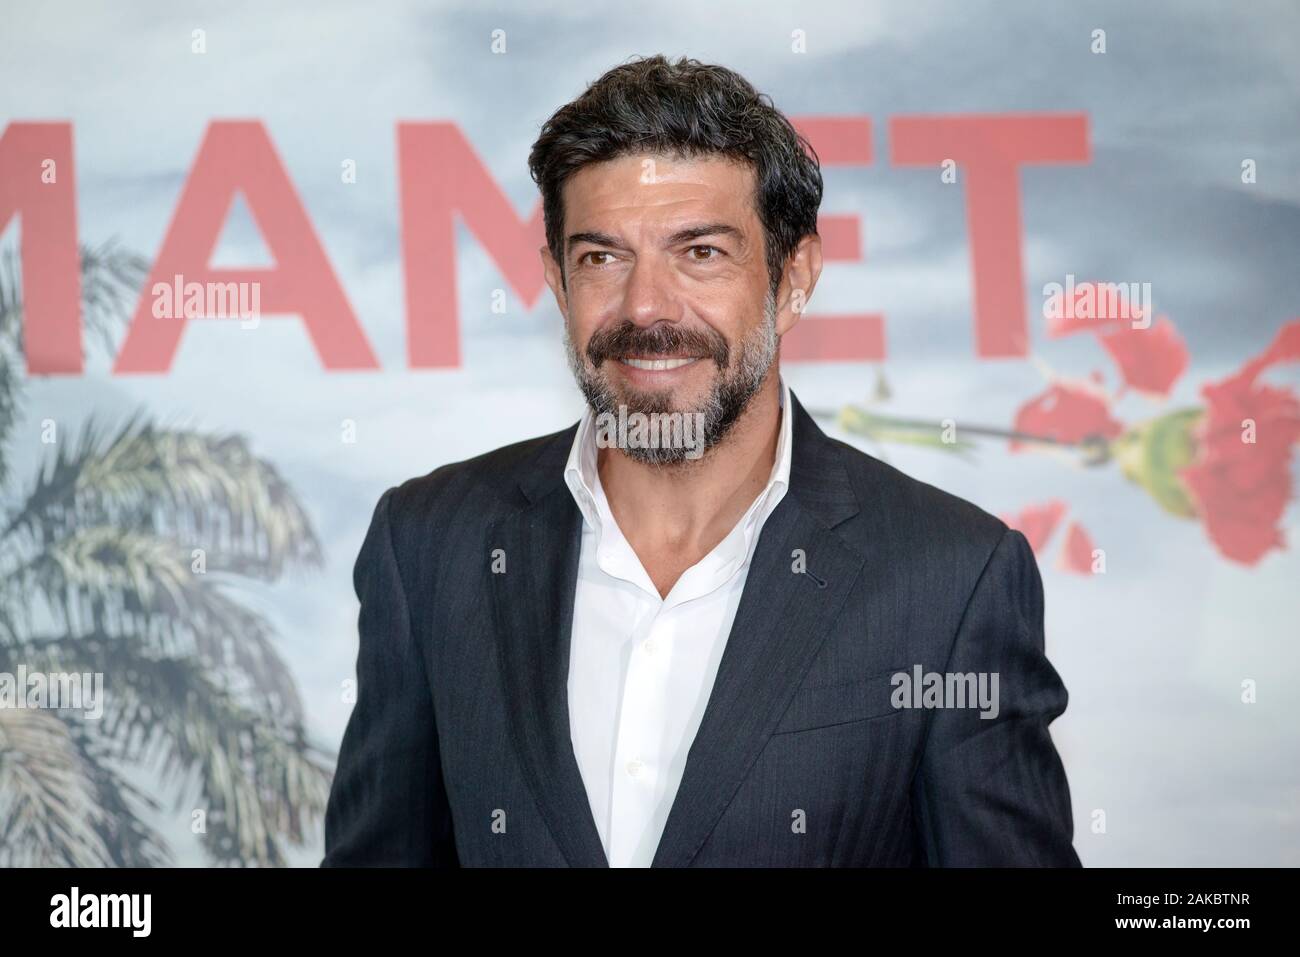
(595, 252)
(706, 249)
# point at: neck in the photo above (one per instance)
(686, 510)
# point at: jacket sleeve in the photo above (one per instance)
(387, 805)
(992, 791)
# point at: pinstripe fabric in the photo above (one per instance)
(458, 751)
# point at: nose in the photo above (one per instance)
(648, 296)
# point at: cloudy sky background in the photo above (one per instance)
(1153, 652)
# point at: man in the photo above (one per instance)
(693, 646)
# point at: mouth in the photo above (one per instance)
(659, 364)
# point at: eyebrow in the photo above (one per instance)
(685, 234)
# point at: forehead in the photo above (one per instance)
(659, 187)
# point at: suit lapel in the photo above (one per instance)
(533, 614)
(780, 625)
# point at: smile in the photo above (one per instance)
(657, 365)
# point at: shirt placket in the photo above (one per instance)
(638, 780)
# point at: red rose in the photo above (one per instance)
(1241, 479)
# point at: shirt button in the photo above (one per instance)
(650, 647)
(634, 768)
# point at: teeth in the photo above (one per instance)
(659, 365)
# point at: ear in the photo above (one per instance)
(555, 280)
(802, 270)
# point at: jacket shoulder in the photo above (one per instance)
(475, 482)
(918, 513)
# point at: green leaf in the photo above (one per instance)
(1152, 453)
(858, 421)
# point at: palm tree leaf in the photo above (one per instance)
(102, 581)
(112, 278)
(49, 808)
(206, 491)
(255, 775)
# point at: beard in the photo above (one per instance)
(734, 386)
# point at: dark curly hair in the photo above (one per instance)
(688, 109)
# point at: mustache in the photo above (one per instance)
(629, 339)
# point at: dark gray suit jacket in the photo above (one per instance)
(457, 751)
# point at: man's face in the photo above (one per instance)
(668, 305)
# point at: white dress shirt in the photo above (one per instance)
(641, 667)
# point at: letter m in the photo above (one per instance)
(442, 177)
(38, 187)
